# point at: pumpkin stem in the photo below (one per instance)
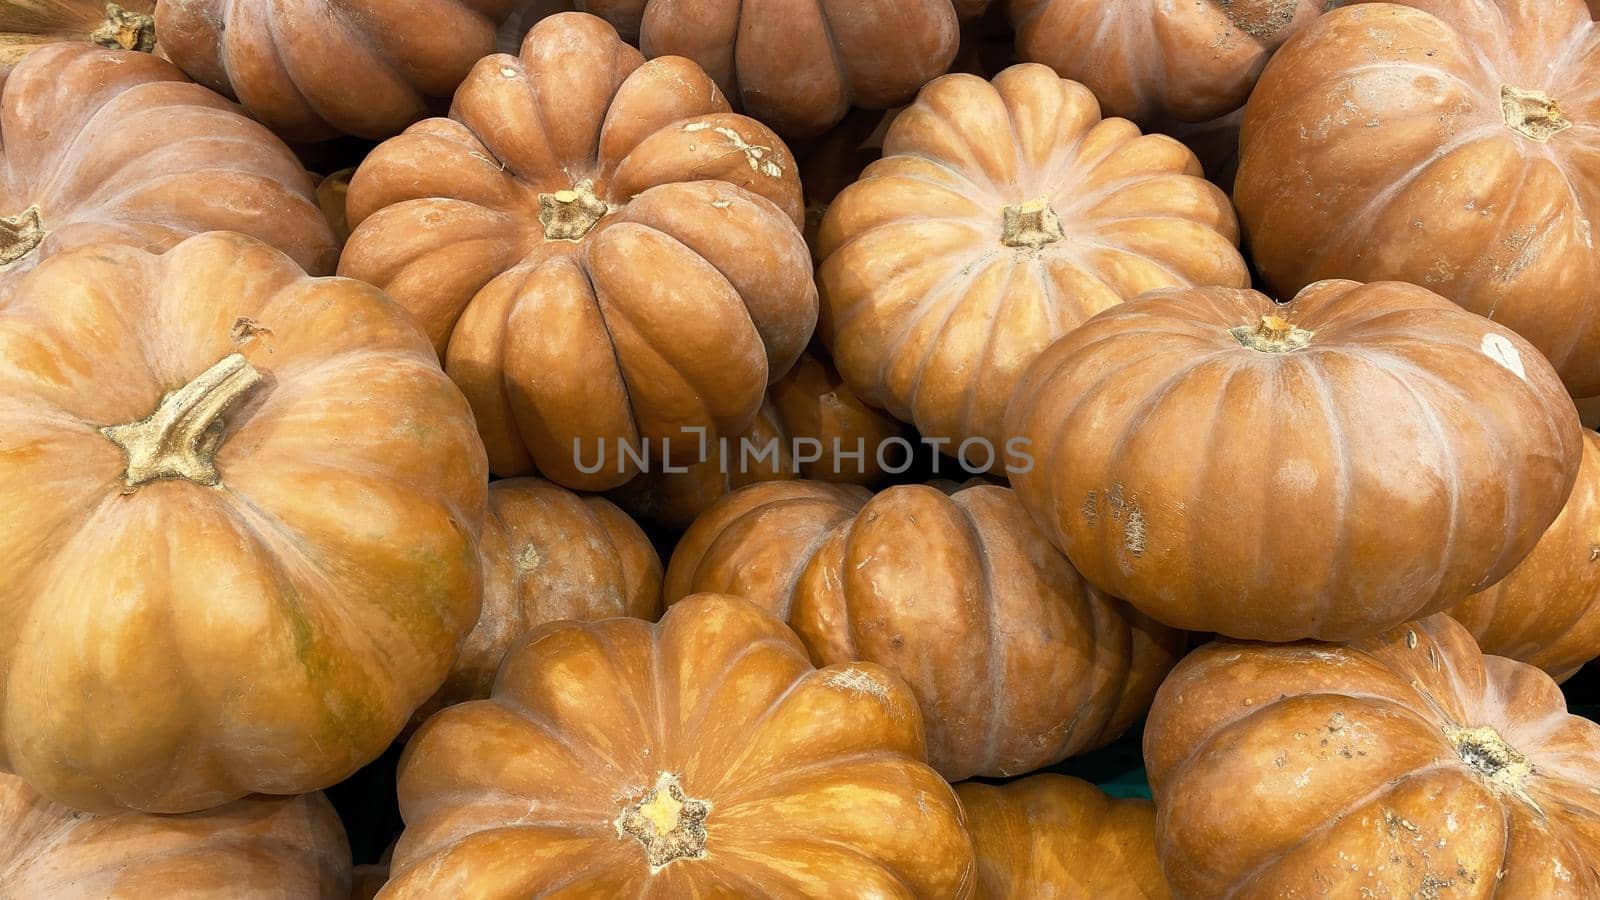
(123, 30)
(1486, 752)
(1032, 224)
(20, 234)
(569, 215)
(1532, 114)
(180, 439)
(668, 823)
(1273, 334)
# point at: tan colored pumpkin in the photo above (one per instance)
(1016, 663)
(313, 69)
(549, 554)
(1547, 611)
(331, 194)
(700, 757)
(1003, 215)
(1050, 837)
(600, 251)
(259, 848)
(27, 25)
(1448, 143)
(1154, 61)
(242, 539)
(1327, 468)
(1406, 764)
(108, 145)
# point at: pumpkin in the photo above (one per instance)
(1015, 662)
(1003, 215)
(368, 880)
(606, 258)
(244, 514)
(1329, 468)
(108, 145)
(331, 193)
(1447, 143)
(1154, 61)
(1547, 611)
(27, 25)
(526, 14)
(259, 848)
(315, 69)
(702, 756)
(1053, 837)
(1406, 764)
(549, 554)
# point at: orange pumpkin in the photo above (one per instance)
(27, 25)
(1052, 837)
(522, 19)
(1003, 215)
(1448, 143)
(1016, 663)
(603, 255)
(259, 848)
(313, 69)
(1547, 611)
(1360, 456)
(108, 145)
(1406, 764)
(1154, 61)
(244, 513)
(703, 756)
(331, 194)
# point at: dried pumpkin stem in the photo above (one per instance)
(1032, 224)
(20, 234)
(1273, 334)
(1487, 753)
(667, 822)
(180, 439)
(569, 215)
(1532, 114)
(124, 30)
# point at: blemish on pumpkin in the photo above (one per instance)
(1532, 114)
(1594, 552)
(1487, 753)
(1133, 536)
(668, 823)
(123, 30)
(1259, 18)
(1411, 639)
(1090, 509)
(20, 234)
(859, 682)
(761, 158)
(527, 559)
(244, 328)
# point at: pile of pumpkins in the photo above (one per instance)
(296, 467)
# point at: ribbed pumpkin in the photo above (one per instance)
(1050, 837)
(109, 145)
(1327, 468)
(27, 25)
(1158, 62)
(1016, 663)
(259, 848)
(1406, 764)
(1547, 611)
(331, 194)
(1448, 143)
(313, 69)
(700, 757)
(1003, 215)
(243, 513)
(599, 250)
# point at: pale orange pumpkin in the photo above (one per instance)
(700, 757)
(1407, 764)
(244, 508)
(27, 25)
(1001, 217)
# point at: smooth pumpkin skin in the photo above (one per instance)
(674, 310)
(1547, 611)
(1052, 837)
(172, 644)
(1409, 454)
(933, 306)
(258, 848)
(1379, 146)
(27, 25)
(814, 778)
(1157, 62)
(1016, 663)
(112, 145)
(1403, 764)
(315, 69)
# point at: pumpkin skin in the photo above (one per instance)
(1547, 611)
(315, 69)
(1016, 663)
(1438, 444)
(258, 848)
(1157, 62)
(1403, 764)
(1034, 836)
(109, 145)
(702, 756)
(1003, 215)
(27, 25)
(331, 193)
(681, 289)
(222, 473)
(1413, 143)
